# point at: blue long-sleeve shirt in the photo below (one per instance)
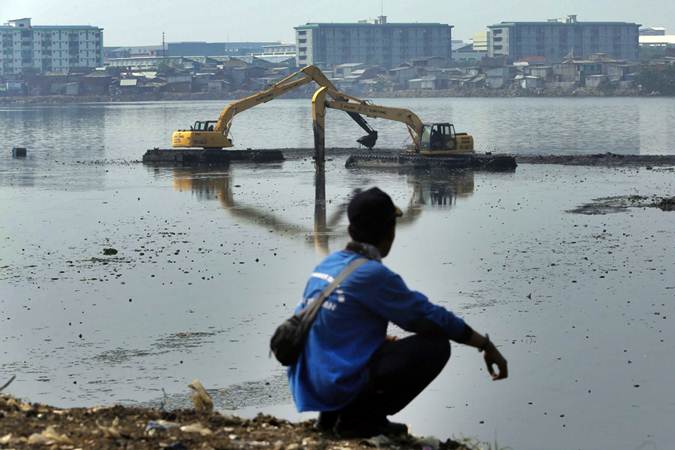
(352, 325)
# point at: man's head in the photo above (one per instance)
(372, 219)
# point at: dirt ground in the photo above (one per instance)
(32, 426)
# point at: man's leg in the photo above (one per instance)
(399, 371)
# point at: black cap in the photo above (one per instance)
(372, 209)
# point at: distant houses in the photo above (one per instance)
(364, 58)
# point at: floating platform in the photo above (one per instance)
(209, 157)
(485, 161)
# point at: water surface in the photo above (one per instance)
(209, 261)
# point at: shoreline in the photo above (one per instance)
(173, 97)
(26, 425)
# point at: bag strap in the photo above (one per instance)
(309, 314)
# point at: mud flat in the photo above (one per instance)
(617, 204)
(599, 159)
(31, 425)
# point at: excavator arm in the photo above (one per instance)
(353, 105)
(217, 137)
(434, 139)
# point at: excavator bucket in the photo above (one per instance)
(368, 140)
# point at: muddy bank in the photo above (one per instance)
(609, 205)
(31, 425)
(599, 159)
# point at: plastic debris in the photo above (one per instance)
(161, 425)
(48, 437)
(196, 428)
(200, 398)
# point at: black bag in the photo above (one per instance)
(288, 340)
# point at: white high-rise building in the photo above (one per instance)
(48, 48)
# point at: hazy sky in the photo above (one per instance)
(141, 22)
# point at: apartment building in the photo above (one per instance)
(556, 39)
(374, 43)
(48, 48)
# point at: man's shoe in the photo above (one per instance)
(369, 428)
(326, 421)
(393, 428)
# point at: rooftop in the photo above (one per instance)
(359, 24)
(668, 39)
(25, 23)
(569, 20)
(510, 24)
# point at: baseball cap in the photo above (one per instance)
(372, 209)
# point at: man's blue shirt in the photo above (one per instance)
(351, 326)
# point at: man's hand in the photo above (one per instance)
(493, 357)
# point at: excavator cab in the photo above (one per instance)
(202, 134)
(206, 125)
(442, 139)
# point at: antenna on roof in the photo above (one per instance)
(382, 19)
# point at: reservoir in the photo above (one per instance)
(209, 261)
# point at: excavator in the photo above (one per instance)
(434, 145)
(214, 134)
(429, 139)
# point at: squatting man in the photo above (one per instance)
(350, 371)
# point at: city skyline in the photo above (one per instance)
(197, 21)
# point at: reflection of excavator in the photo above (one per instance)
(215, 133)
(439, 188)
(434, 139)
(429, 189)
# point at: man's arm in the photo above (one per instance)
(413, 312)
(491, 355)
(471, 338)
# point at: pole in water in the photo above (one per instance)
(320, 224)
(318, 120)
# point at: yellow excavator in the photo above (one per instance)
(429, 139)
(214, 134)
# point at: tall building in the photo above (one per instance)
(49, 48)
(215, 48)
(554, 40)
(379, 43)
(480, 41)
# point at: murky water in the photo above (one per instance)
(209, 261)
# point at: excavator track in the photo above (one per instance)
(387, 160)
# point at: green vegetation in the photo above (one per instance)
(657, 79)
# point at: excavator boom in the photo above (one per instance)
(216, 136)
(437, 139)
